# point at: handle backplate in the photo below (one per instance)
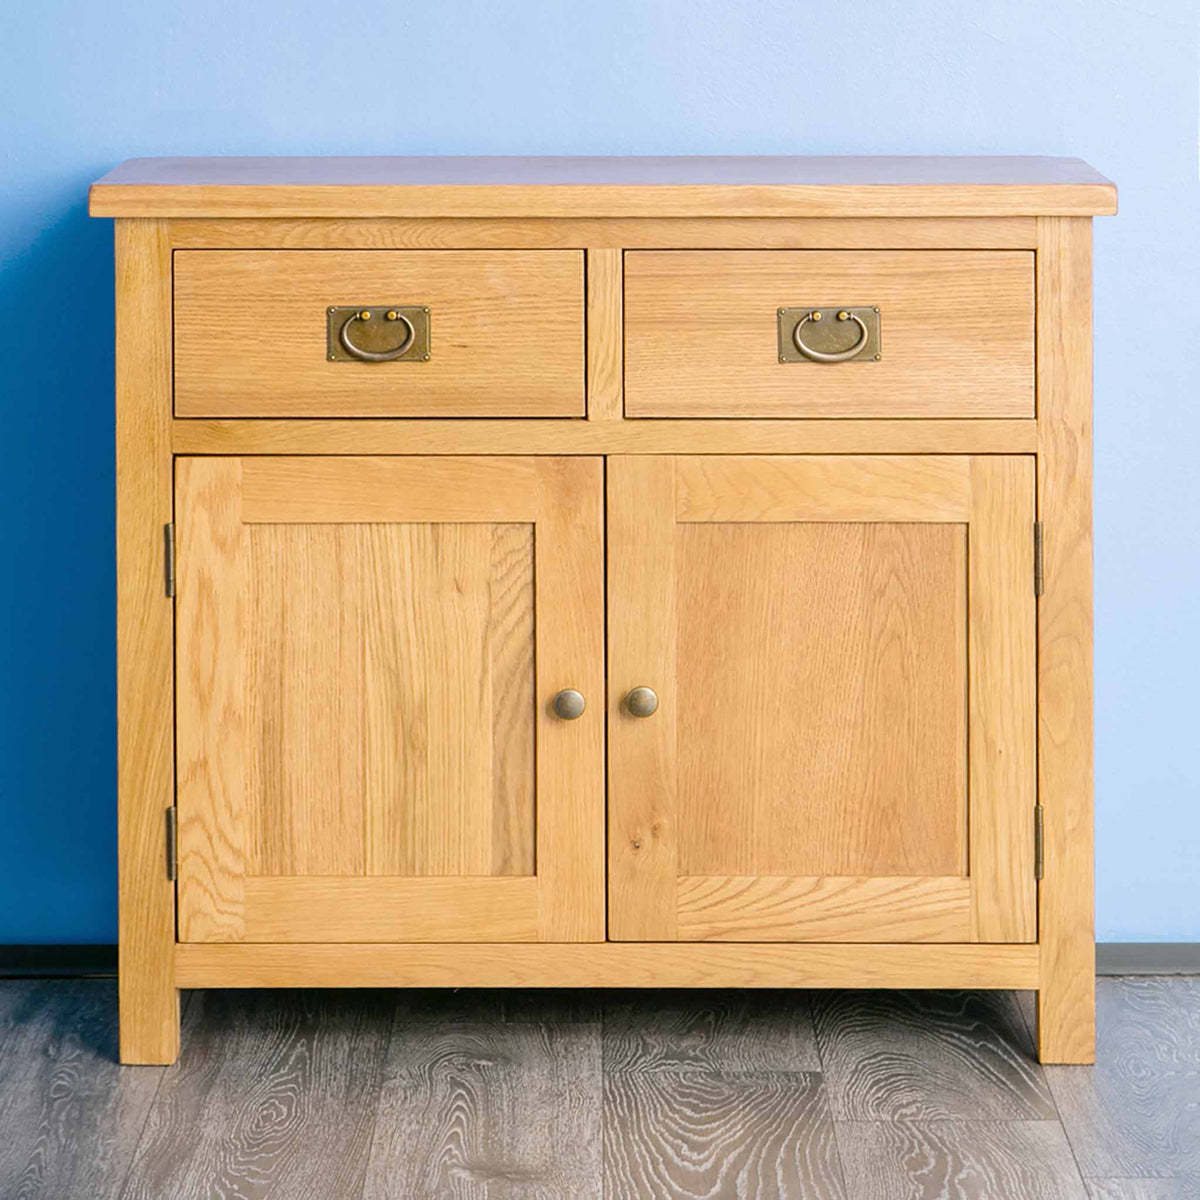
(377, 333)
(835, 334)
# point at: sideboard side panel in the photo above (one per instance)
(145, 757)
(1067, 993)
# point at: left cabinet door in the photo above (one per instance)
(367, 652)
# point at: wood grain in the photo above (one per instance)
(71, 1117)
(1066, 998)
(515, 437)
(716, 1134)
(607, 964)
(210, 698)
(1003, 700)
(735, 1031)
(351, 490)
(643, 832)
(766, 908)
(273, 1098)
(477, 1107)
(392, 908)
(605, 335)
(251, 333)
(606, 233)
(1144, 1189)
(893, 488)
(360, 658)
(838, 745)
(1136, 1112)
(900, 1160)
(956, 333)
(145, 750)
(602, 186)
(569, 585)
(944, 1056)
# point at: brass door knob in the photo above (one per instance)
(642, 702)
(569, 704)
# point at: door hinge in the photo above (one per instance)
(172, 843)
(1039, 578)
(1039, 842)
(169, 557)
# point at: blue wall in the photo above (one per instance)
(85, 85)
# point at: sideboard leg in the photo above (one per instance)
(145, 702)
(1067, 995)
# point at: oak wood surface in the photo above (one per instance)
(251, 333)
(580, 186)
(605, 345)
(145, 751)
(613, 233)
(822, 724)
(367, 651)
(786, 593)
(760, 908)
(516, 437)
(607, 964)
(1003, 700)
(956, 333)
(1066, 998)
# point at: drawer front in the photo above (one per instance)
(703, 333)
(253, 333)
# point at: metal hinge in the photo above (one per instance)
(172, 842)
(1039, 842)
(169, 557)
(1039, 578)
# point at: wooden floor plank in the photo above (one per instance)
(274, 1095)
(1136, 1113)
(705, 1133)
(709, 1030)
(1144, 1189)
(1008, 1160)
(927, 1056)
(70, 1117)
(477, 1107)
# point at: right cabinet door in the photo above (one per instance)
(843, 654)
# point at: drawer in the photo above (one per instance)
(253, 333)
(703, 336)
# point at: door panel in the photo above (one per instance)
(843, 651)
(366, 650)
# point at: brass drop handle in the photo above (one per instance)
(642, 701)
(376, 355)
(569, 704)
(825, 356)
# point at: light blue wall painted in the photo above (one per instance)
(84, 85)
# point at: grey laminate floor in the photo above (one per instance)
(517, 1096)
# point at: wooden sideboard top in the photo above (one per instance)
(726, 186)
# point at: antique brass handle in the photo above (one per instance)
(569, 704)
(826, 356)
(376, 355)
(642, 702)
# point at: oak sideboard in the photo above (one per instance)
(604, 572)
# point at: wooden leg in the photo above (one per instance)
(1067, 995)
(145, 706)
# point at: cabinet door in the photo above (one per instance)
(843, 651)
(366, 649)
